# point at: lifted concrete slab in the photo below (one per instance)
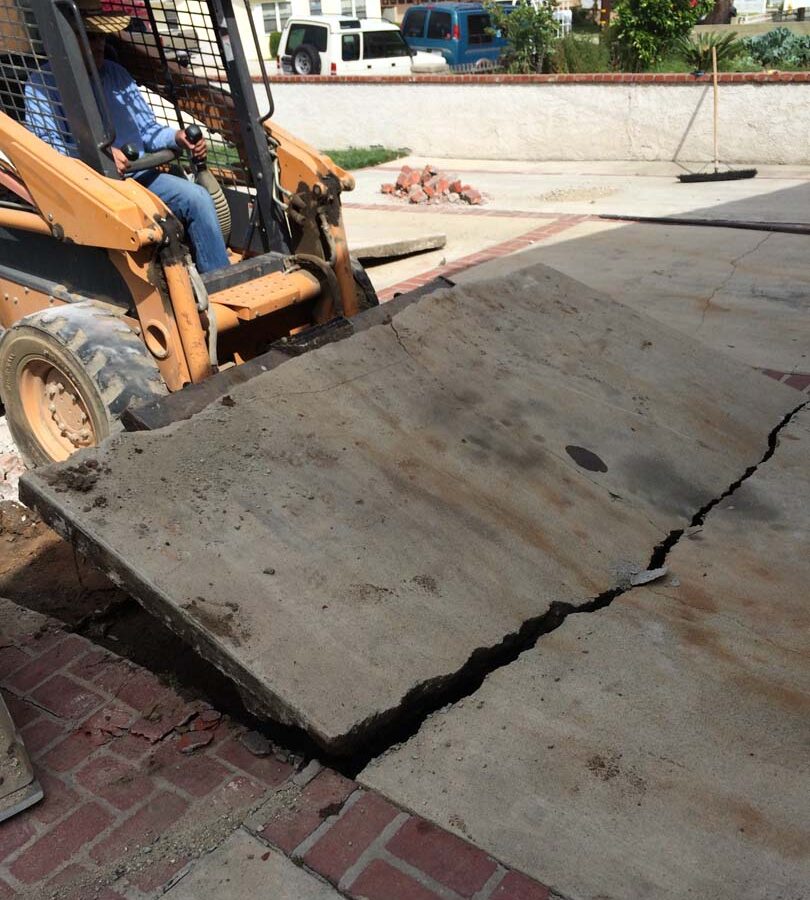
(242, 867)
(356, 527)
(657, 748)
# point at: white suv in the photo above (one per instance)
(336, 45)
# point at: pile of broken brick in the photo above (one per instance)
(431, 186)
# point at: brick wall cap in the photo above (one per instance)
(601, 78)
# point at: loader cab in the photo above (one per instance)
(180, 53)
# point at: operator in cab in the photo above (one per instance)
(134, 123)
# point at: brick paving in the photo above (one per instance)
(140, 784)
(553, 227)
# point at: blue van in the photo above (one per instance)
(459, 31)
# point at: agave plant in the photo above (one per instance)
(697, 51)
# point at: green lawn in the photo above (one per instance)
(363, 157)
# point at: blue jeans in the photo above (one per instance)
(194, 207)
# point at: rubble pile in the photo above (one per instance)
(432, 186)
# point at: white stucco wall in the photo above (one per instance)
(759, 123)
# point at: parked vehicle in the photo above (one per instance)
(461, 32)
(337, 45)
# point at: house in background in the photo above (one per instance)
(272, 16)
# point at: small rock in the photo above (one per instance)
(256, 743)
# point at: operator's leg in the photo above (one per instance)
(194, 207)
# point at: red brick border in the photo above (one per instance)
(129, 767)
(559, 224)
(369, 848)
(606, 78)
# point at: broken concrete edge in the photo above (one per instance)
(21, 790)
(369, 736)
(397, 249)
(96, 551)
(194, 398)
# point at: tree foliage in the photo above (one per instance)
(530, 30)
(646, 29)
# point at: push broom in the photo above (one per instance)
(717, 175)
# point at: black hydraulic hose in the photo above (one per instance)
(776, 227)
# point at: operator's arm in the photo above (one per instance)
(154, 135)
(44, 114)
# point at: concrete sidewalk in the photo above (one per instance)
(742, 293)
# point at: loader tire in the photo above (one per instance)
(366, 295)
(67, 374)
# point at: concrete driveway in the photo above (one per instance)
(654, 747)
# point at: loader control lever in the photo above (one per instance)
(194, 135)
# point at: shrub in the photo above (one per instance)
(275, 40)
(646, 29)
(780, 48)
(697, 51)
(530, 31)
(573, 54)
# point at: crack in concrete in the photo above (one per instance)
(397, 726)
(707, 302)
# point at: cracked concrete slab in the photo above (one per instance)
(368, 521)
(658, 747)
(745, 294)
(244, 867)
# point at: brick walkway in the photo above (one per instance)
(140, 784)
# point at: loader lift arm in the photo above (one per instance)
(291, 266)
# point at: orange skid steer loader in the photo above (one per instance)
(101, 305)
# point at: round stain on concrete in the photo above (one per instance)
(586, 458)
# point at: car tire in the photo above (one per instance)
(306, 60)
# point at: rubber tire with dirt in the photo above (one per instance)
(310, 58)
(107, 362)
(366, 295)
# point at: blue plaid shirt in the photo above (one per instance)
(132, 117)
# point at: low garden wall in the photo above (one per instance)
(763, 117)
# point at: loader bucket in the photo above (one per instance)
(360, 529)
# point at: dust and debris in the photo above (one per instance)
(368, 593)
(81, 477)
(228, 401)
(607, 768)
(572, 195)
(214, 619)
(427, 583)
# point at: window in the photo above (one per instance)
(440, 26)
(314, 7)
(356, 8)
(478, 26)
(350, 44)
(383, 44)
(276, 15)
(306, 34)
(414, 24)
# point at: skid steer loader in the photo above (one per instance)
(101, 305)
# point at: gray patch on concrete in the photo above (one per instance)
(369, 519)
(657, 748)
(243, 867)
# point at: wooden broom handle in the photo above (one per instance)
(714, 80)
